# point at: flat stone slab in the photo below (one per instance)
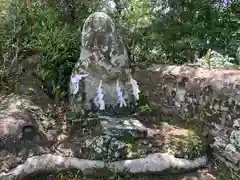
(122, 127)
(105, 147)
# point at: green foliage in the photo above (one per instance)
(60, 44)
(190, 146)
(214, 59)
(8, 47)
(58, 40)
(190, 27)
(173, 32)
(144, 105)
(134, 25)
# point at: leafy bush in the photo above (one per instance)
(173, 32)
(58, 40)
(53, 28)
(190, 28)
(8, 46)
(214, 59)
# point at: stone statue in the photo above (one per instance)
(101, 78)
(101, 84)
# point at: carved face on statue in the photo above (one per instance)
(101, 77)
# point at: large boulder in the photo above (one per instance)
(101, 78)
(211, 97)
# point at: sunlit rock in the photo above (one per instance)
(123, 127)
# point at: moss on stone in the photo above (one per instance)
(137, 148)
(225, 171)
(190, 146)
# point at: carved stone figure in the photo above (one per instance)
(101, 78)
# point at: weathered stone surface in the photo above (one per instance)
(209, 96)
(101, 78)
(23, 130)
(123, 127)
(105, 147)
(73, 147)
(140, 141)
(116, 138)
(16, 128)
(235, 134)
(19, 132)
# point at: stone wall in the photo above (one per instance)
(209, 96)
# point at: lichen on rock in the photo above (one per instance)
(101, 78)
(208, 97)
(105, 147)
(235, 134)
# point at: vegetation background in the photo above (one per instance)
(203, 32)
